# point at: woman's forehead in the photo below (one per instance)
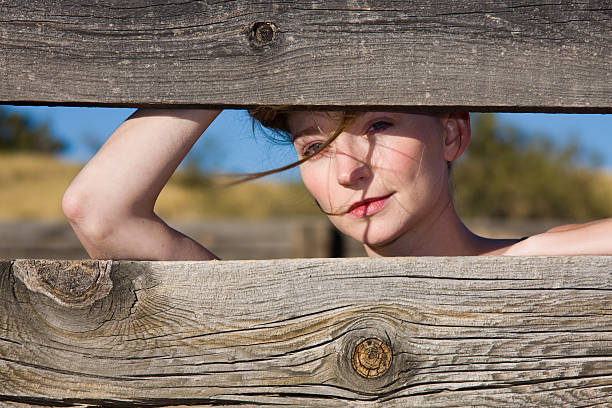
(324, 119)
(309, 115)
(298, 121)
(309, 121)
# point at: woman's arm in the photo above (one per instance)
(592, 238)
(110, 203)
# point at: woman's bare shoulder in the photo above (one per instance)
(591, 238)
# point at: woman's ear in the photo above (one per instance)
(457, 134)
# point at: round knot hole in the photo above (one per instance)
(372, 358)
(262, 33)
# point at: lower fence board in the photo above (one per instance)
(436, 332)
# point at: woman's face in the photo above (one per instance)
(384, 175)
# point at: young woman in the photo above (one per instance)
(381, 177)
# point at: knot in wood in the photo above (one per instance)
(372, 358)
(262, 33)
(71, 283)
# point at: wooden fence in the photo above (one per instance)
(230, 239)
(403, 332)
(477, 55)
(438, 332)
(236, 239)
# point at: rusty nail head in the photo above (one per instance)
(372, 358)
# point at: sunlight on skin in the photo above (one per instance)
(384, 177)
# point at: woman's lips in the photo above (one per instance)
(368, 207)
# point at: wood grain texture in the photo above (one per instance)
(478, 55)
(492, 331)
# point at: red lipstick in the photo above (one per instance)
(368, 207)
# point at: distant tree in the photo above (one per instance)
(20, 133)
(507, 174)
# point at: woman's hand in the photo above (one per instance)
(110, 203)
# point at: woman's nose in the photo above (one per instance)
(351, 168)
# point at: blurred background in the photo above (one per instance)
(522, 174)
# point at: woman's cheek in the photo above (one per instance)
(317, 183)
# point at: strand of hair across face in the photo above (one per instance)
(347, 120)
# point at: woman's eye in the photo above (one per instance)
(378, 126)
(312, 149)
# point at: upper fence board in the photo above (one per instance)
(479, 55)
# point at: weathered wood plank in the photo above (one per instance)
(487, 331)
(478, 55)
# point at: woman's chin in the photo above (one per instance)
(374, 232)
(379, 243)
(375, 239)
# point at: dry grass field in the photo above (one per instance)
(33, 185)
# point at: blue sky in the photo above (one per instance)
(230, 146)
